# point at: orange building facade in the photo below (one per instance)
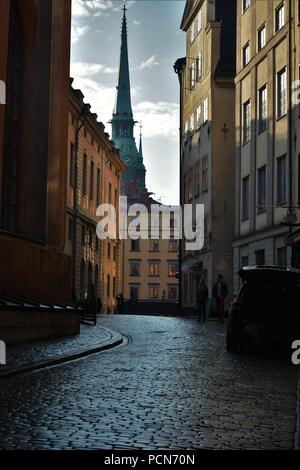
(94, 174)
(34, 64)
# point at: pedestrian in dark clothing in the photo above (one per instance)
(220, 291)
(202, 298)
(120, 302)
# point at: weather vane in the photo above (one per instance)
(124, 7)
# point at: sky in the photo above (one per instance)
(155, 42)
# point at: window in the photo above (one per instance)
(281, 180)
(204, 174)
(193, 32)
(134, 292)
(172, 293)
(135, 245)
(192, 122)
(261, 37)
(91, 239)
(199, 20)
(197, 178)
(198, 117)
(244, 261)
(153, 292)
(262, 109)
(186, 127)
(92, 182)
(246, 54)
(246, 122)
(70, 229)
(205, 110)
(153, 269)
(108, 285)
(154, 245)
(281, 93)
(199, 66)
(282, 257)
(260, 258)
(173, 246)
(193, 75)
(190, 184)
(84, 175)
(245, 5)
(245, 198)
(72, 165)
(115, 254)
(279, 18)
(172, 268)
(108, 250)
(98, 187)
(134, 268)
(109, 193)
(261, 189)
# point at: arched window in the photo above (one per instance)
(96, 281)
(12, 121)
(82, 280)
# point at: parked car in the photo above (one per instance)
(265, 312)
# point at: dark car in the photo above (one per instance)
(265, 313)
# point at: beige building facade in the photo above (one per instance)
(267, 135)
(207, 139)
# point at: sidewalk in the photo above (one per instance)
(32, 356)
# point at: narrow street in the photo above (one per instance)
(172, 386)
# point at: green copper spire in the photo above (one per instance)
(123, 103)
(122, 120)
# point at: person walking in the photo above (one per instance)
(120, 302)
(202, 298)
(220, 292)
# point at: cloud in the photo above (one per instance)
(148, 64)
(78, 31)
(84, 8)
(137, 23)
(84, 69)
(160, 119)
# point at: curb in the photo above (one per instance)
(116, 340)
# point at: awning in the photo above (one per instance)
(292, 238)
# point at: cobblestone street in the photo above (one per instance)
(172, 386)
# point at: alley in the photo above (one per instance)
(172, 386)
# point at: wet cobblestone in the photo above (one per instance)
(173, 387)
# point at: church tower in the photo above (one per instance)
(123, 122)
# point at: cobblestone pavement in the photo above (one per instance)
(172, 387)
(22, 355)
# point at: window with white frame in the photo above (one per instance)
(198, 117)
(261, 189)
(192, 122)
(205, 110)
(279, 17)
(193, 77)
(193, 32)
(261, 37)
(199, 66)
(245, 5)
(199, 20)
(281, 93)
(262, 109)
(245, 198)
(246, 54)
(246, 121)
(281, 180)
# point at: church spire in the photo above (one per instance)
(141, 141)
(123, 107)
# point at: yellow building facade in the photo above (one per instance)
(267, 135)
